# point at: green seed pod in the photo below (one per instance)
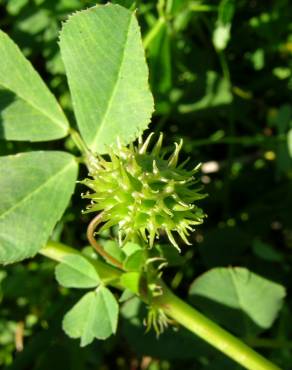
(144, 193)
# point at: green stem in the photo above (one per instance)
(58, 251)
(154, 31)
(206, 329)
(224, 67)
(180, 311)
(78, 141)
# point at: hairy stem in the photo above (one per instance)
(181, 312)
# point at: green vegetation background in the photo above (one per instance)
(221, 76)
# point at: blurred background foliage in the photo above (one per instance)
(220, 72)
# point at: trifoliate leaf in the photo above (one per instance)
(235, 296)
(113, 248)
(94, 316)
(76, 272)
(107, 73)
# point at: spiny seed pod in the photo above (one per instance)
(144, 193)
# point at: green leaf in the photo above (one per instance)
(14, 6)
(159, 55)
(221, 36)
(113, 248)
(126, 295)
(108, 78)
(226, 11)
(266, 251)
(135, 261)
(76, 272)
(94, 316)
(131, 281)
(130, 247)
(29, 111)
(221, 33)
(35, 189)
(258, 59)
(240, 290)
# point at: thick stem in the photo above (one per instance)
(58, 251)
(212, 333)
(177, 309)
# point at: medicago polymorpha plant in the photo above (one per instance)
(139, 195)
